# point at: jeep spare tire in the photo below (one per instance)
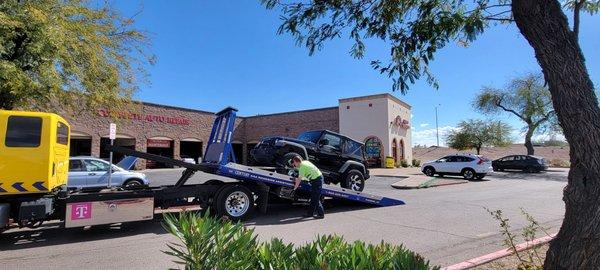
(286, 160)
(354, 180)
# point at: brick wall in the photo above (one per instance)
(291, 124)
(144, 122)
(148, 120)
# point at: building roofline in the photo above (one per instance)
(292, 112)
(173, 107)
(242, 117)
(383, 95)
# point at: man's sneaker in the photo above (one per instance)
(319, 217)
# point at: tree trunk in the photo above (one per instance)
(528, 143)
(6, 100)
(544, 25)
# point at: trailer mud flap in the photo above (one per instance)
(81, 214)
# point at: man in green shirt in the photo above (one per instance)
(310, 173)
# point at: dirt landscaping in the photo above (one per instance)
(551, 153)
(512, 262)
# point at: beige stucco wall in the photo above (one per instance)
(365, 117)
(401, 134)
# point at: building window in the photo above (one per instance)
(370, 105)
(373, 151)
(348, 107)
(395, 150)
(402, 149)
(23, 131)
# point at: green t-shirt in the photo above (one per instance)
(308, 171)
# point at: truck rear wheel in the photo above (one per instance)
(235, 202)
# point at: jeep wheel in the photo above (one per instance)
(354, 180)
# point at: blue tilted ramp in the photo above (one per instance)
(219, 154)
(246, 173)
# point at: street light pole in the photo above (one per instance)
(437, 130)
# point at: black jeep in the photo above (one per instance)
(340, 158)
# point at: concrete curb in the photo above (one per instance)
(468, 264)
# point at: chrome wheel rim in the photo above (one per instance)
(355, 183)
(237, 204)
(429, 172)
(469, 174)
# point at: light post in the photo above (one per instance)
(437, 130)
(112, 135)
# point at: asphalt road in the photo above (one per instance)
(445, 224)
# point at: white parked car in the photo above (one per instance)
(469, 166)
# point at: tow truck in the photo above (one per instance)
(34, 155)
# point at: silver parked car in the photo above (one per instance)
(90, 172)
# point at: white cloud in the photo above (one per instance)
(429, 136)
(519, 137)
(424, 124)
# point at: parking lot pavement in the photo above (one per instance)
(446, 224)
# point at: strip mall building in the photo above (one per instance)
(381, 121)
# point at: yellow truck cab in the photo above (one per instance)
(34, 152)
(34, 165)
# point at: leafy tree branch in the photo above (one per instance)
(67, 54)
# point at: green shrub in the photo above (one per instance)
(416, 163)
(403, 163)
(209, 243)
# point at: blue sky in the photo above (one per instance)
(213, 54)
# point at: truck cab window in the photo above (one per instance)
(62, 134)
(23, 131)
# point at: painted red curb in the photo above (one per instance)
(498, 254)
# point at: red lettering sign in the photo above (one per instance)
(159, 143)
(147, 117)
(399, 122)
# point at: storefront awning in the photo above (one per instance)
(80, 135)
(191, 140)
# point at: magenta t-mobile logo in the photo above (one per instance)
(81, 211)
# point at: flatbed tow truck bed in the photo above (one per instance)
(236, 200)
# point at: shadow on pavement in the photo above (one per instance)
(550, 175)
(52, 234)
(281, 214)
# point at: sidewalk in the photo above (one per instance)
(396, 172)
(412, 178)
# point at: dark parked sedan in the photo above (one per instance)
(520, 162)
